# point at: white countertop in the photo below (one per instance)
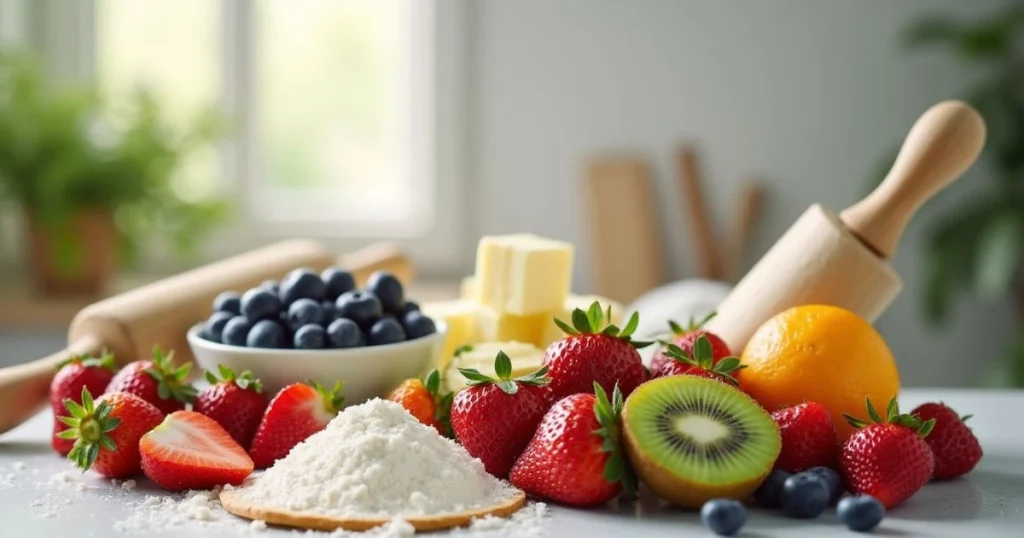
(37, 498)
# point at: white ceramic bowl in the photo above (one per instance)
(368, 372)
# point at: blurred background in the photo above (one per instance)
(138, 139)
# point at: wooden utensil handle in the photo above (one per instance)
(23, 388)
(941, 145)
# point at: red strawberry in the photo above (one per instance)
(157, 381)
(75, 374)
(889, 459)
(189, 450)
(700, 362)
(685, 338)
(295, 413)
(576, 457)
(593, 352)
(106, 432)
(494, 419)
(953, 444)
(808, 438)
(236, 402)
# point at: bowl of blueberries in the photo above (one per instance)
(320, 327)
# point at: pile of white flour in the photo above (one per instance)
(377, 460)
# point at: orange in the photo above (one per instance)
(823, 354)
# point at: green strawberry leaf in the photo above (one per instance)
(503, 371)
(676, 328)
(592, 321)
(464, 348)
(89, 426)
(331, 398)
(433, 382)
(893, 410)
(926, 428)
(565, 328)
(503, 366)
(580, 321)
(631, 325)
(608, 412)
(595, 316)
(872, 413)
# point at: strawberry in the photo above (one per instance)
(576, 457)
(296, 412)
(74, 374)
(889, 459)
(808, 438)
(700, 361)
(106, 431)
(236, 402)
(189, 450)
(494, 419)
(593, 352)
(685, 338)
(157, 381)
(954, 446)
(423, 399)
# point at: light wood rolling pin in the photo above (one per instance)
(843, 260)
(130, 324)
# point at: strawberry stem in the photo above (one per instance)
(703, 357)
(608, 413)
(593, 322)
(171, 382)
(245, 380)
(892, 416)
(88, 425)
(332, 398)
(504, 380)
(105, 360)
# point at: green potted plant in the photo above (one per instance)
(94, 181)
(977, 247)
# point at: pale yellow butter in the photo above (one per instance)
(493, 326)
(460, 316)
(523, 274)
(467, 288)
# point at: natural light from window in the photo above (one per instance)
(326, 102)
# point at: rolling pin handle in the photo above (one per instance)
(30, 382)
(942, 144)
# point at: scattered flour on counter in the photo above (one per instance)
(19, 466)
(376, 460)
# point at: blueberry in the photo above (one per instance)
(860, 513)
(417, 325)
(723, 516)
(410, 307)
(386, 331)
(266, 334)
(310, 337)
(304, 312)
(804, 496)
(213, 329)
(271, 285)
(302, 284)
(388, 289)
(769, 493)
(236, 331)
(228, 301)
(361, 307)
(260, 303)
(330, 313)
(337, 281)
(344, 333)
(833, 482)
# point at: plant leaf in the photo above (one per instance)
(872, 413)
(565, 327)
(595, 316)
(580, 321)
(631, 325)
(503, 366)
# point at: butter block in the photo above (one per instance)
(460, 316)
(467, 288)
(551, 331)
(523, 274)
(526, 358)
(494, 326)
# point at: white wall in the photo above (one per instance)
(807, 94)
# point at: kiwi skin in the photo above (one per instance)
(678, 490)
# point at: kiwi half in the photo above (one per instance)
(692, 439)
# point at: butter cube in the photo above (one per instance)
(523, 274)
(467, 288)
(525, 358)
(494, 326)
(459, 315)
(551, 331)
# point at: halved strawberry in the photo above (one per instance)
(189, 450)
(295, 413)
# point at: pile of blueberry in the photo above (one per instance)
(307, 310)
(804, 495)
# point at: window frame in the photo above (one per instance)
(67, 40)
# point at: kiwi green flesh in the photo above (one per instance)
(702, 430)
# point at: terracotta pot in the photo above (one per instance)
(92, 240)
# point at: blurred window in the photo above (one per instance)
(331, 103)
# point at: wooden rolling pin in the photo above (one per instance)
(130, 324)
(842, 260)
